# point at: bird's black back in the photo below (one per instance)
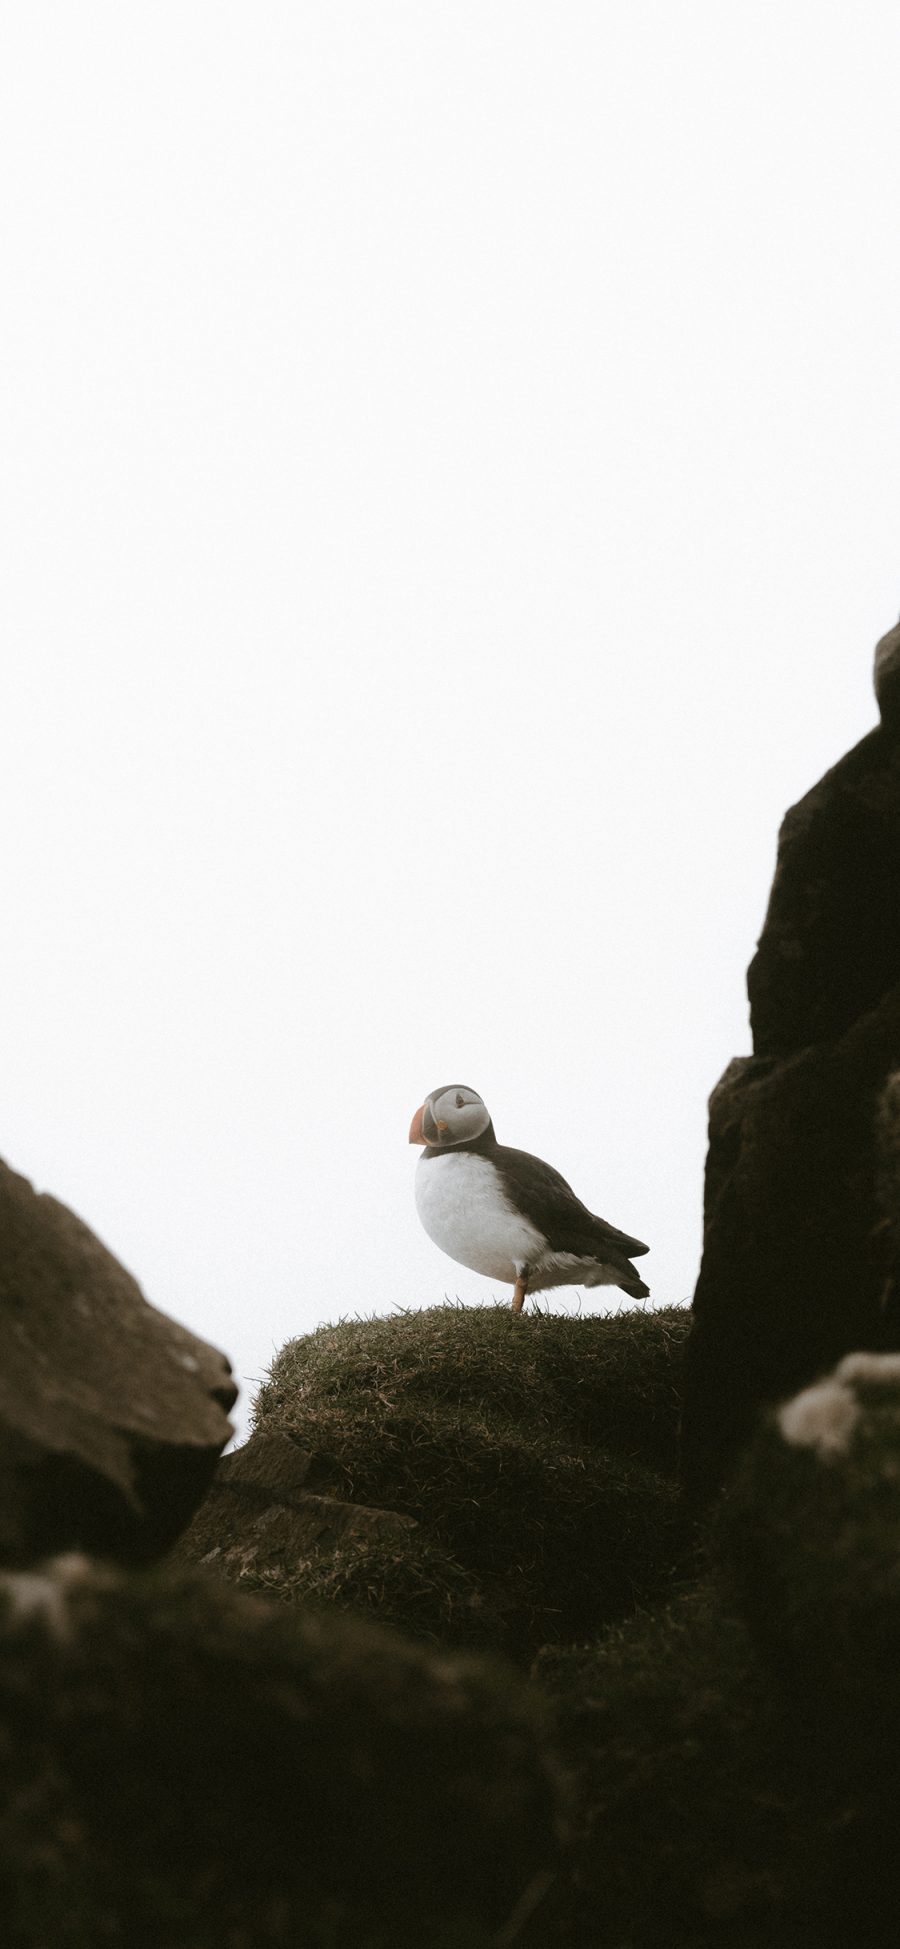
(539, 1191)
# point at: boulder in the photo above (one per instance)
(801, 1250)
(112, 1416)
(187, 1766)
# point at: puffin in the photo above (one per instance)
(505, 1213)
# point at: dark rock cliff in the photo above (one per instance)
(801, 1254)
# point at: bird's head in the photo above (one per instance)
(451, 1115)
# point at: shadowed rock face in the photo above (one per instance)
(182, 1765)
(112, 1416)
(830, 946)
(809, 1530)
(801, 1258)
(738, 1751)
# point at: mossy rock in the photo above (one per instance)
(263, 1529)
(186, 1768)
(704, 1818)
(536, 1455)
(810, 1531)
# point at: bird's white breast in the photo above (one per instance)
(460, 1200)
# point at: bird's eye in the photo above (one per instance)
(460, 1101)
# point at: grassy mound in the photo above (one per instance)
(537, 1455)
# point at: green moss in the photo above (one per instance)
(537, 1454)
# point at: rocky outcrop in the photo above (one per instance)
(259, 1521)
(183, 1765)
(263, 1528)
(112, 1416)
(800, 1259)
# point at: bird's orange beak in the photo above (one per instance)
(416, 1133)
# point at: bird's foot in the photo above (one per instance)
(518, 1298)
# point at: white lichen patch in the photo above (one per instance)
(870, 1369)
(823, 1417)
(42, 1596)
(189, 1362)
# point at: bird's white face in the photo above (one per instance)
(451, 1115)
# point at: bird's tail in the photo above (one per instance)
(634, 1287)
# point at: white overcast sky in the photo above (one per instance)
(450, 495)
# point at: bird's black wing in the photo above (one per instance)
(544, 1196)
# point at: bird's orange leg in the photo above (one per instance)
(518, 1298)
